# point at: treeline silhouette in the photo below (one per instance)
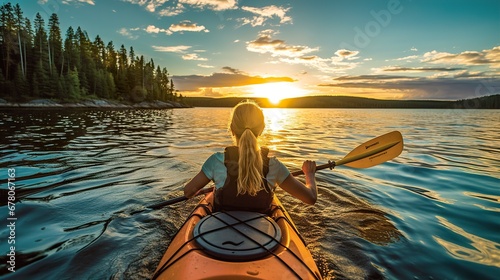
(37, 62)
(486, 102)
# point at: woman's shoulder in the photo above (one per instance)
(217, 156)
(214, 159)
(278, 172)
(274, 161)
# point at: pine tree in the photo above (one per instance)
(8, 39)
(99, 53)
(22, 86)
(70, 56)
(73, 85)
(38, 64)
(41, 59)
(20, 38)
(110, 83)
(27, 42)
(55, 45)
(85, 69)
(172, 93)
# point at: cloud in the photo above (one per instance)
(221, 80)
(332, 65)
(126, 32)
(69, 2)
(407, 58)
(266, 44)
(174, 49)
(419, 69)
(441, 75)
(172, 11)
(490, 57)
(151, 29)
(472, 74)
(168, 8)
(154, 29)
(216, 5)
(422, 87)
(347, 54)
(193, 56)
(232, 70)
(205, 66)
(186, 25)
(265, 13)
(182, 50)
(366, 78)
(301, 55)
(153, 4)
(149, 5)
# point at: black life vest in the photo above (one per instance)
(227, 198)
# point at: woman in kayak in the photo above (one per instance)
(238, 172)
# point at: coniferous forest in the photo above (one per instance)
(37, 61)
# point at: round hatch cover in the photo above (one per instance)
(237, 235)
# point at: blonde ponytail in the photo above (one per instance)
(247, 123)
(249, 164)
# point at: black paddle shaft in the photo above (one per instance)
(330, 164)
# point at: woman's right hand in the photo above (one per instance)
(309, 167)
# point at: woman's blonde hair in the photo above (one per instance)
(247, 123)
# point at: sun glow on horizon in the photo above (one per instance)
(276, 92)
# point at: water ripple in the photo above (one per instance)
(83, 174)
(484, 251)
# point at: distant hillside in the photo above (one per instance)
(223, 102)
(487, 102)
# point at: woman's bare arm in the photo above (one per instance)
(308, 193)
(195, 184)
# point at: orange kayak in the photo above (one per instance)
(237, 245)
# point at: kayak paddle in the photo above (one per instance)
(368, 154)
(177, 199)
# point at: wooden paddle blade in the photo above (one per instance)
(375, 151)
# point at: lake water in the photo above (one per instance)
(431, 213)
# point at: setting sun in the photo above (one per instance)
(276, 92)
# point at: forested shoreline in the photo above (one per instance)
(38, 63)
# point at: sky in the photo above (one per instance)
(384, 49)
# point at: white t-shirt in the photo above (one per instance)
(216, 171)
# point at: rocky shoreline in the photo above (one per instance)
(98, 103)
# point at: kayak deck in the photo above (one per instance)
(186, 259)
